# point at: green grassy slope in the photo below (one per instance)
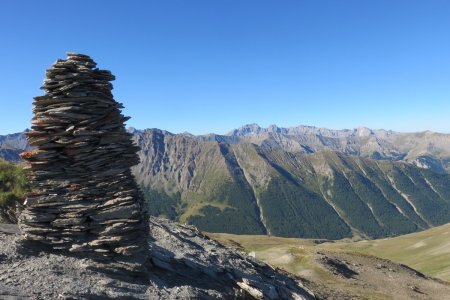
(426, 251)
(299, 256)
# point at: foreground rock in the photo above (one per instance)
(185, 265)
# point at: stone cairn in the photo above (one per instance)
(84, 198)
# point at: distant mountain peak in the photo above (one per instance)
(133, 130)
(248, 129)
(363, 131)
(187, 133)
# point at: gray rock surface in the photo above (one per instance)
(185, 265)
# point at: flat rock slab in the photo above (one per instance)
(8, 293)
(185, 264)
(9, 229)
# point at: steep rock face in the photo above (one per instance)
(261, 189)
(84, 197)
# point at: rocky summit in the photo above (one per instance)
(84, 197)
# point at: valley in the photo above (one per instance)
(352, 224)
(233, 186)
(301, 181)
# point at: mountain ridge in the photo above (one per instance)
(326, 194)
(257, 134)
(330, 184)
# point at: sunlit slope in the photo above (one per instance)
(377, 268)
(427, 251)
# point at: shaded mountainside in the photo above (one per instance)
(297, 182)
(247, 188)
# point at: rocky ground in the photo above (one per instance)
(367, 277)
(185, 264)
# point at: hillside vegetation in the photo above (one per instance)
(13, 186)
(245, 188)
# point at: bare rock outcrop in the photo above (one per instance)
(185, 264)
(84, 197)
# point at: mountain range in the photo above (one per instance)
(11, 145)
(294, 182)
(424, 149)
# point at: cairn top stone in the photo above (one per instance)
(84, 198)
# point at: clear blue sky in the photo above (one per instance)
(213, 65)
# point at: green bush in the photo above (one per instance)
(13, 187)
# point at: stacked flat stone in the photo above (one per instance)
(84, 197)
